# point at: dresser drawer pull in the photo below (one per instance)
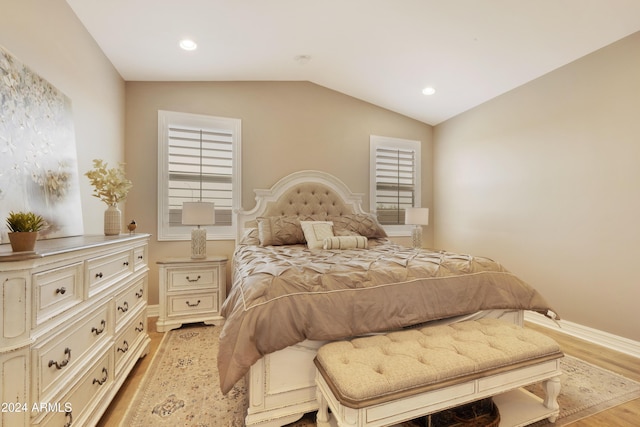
(140, 257)
(61, 290)
(69, 414)
(65, 362)
(125, 347)
(193, 305)
(124, 308)
(126, 263)
(99, 275)
(193, 280)
(97, 331)
(140, 293)
(103, 379)
(140, 328)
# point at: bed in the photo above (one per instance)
(290, 295)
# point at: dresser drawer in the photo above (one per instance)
(56, 290)
(140, 258)
(193, 278)
(128, 341)
(73, 407)
(60, 355)
(128, 301)
(204, 302)
(105, 270)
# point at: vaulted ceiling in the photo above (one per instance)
(380, 51)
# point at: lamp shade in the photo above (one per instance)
(416, 216)
(198, 213)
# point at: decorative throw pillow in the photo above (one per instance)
(363, 224)
(316, 231)
(250, 237)
(279, 230)
(345, 242)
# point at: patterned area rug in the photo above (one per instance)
(181, 387)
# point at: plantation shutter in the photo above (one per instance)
(200, 168)
(395, 183)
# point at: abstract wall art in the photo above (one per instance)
(38, 158)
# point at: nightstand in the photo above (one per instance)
(191, 290)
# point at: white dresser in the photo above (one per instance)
(191, 290)
(73, 323)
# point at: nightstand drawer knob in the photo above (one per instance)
(193, 280)
(193, 305)
(62, 290)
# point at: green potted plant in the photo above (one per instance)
(23, 230)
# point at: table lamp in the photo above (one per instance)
(198, 214)
(416, 217)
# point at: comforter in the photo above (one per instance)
(282, 295)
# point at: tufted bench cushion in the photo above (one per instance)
(379, 368)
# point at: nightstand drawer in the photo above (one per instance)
(191, 290)
(192, 278)
(193, 303)
(57, 290)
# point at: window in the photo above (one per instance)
(394, 180)
(198, 159)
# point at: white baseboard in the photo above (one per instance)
(153, 310)
(605, 339)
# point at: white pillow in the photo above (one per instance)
(345, 242)
(315, 232)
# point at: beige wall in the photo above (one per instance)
(286, 126)
(48, 38)
(546, 180)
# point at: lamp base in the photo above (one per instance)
(416, 237)
(198, 243)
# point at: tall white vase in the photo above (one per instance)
(112, 221)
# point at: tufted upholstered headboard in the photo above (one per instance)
(307, 192)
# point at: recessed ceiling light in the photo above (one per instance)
(187, 44)
(302, 59)
(428, 90)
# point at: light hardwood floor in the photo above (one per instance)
(625, 415)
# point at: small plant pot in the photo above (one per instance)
(23, 241)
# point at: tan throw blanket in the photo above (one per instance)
(283, 295)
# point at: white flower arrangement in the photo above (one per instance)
(110, 185)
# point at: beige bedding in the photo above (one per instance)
(282, 295)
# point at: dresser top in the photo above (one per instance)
(48, 247)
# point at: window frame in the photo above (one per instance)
(376, 142)
(166, 232)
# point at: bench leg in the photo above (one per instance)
(322, 418)
(552, 390)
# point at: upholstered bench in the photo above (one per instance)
(381, 380)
